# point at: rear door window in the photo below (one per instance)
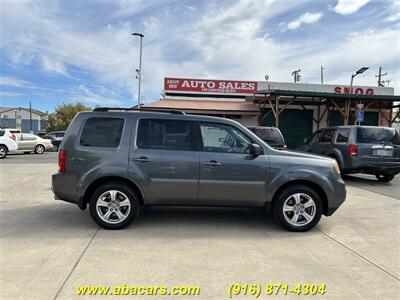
(377, 135)
(343, 135)
(164, 134)
(102, 132)
(327, 137)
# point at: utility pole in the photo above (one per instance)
(296, 75)
(322, 74)
(139, 71)
(379, 76)
(30, 116)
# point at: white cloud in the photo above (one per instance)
(347, 7)
(14, 82)
(307, 18)
(10, 94)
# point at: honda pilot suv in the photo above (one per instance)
(359, 149)
(119, 161)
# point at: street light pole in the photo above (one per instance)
(360, 71)
(139, 71)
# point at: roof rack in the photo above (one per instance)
(109, 109)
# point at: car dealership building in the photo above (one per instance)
(296, 108)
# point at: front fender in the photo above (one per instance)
(297, 174)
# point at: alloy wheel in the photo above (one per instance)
(113, 206)
(299, 209)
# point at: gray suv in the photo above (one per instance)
(359, 149)
(117, 162)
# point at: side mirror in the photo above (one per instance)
(255, 149)
(305, 140)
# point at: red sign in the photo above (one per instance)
(210, 86)
(356, 90)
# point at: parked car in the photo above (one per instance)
(271, 135)
(359, 149)
(7, 143)
(118, 162)
(56, 138)
(28, 142)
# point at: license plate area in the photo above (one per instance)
(382, 151)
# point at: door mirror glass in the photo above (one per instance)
(255, 149)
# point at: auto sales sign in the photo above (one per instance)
(210, 86)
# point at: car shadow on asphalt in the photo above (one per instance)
(47, 220)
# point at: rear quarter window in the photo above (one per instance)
(2, 132)
(102, 132)
(343, 135)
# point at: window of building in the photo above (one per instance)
(102, 132)
(164, 134)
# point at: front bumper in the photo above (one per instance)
(336, 196)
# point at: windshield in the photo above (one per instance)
(377, 135)
(269, 135)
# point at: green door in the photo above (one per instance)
(295, 125)
(371, 118)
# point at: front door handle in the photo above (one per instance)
(212, 163)
(142, 159)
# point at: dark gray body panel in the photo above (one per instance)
(363, 162)
(182, 177)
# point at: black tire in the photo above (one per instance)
(3, 152)
(40, 149)
(285, 195)
(384, 178)
(123, 190)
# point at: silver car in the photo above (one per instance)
(28, 143)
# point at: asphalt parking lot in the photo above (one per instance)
(48, 247)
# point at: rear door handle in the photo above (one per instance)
(212, 163)
(142, 159)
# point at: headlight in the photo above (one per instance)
(335, 166)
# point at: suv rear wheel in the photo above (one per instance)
(384, 178)
(297, 208)
(114, 205)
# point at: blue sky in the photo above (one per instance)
(54, 52)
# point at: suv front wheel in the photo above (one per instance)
(297, 208)
(114, 205)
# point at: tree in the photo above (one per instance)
(64, 114)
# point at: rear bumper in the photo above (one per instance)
(375, 166)
(63, 190)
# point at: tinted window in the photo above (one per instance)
(377, 135)
(343, 135)
(327, 137)
(164, 134)
(2, 132)
(271, 136)
(316, 137)
(102, 132)
(223, 138)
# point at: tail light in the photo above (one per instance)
(13, 137)
(62, 157)
(353, 149)
(285, 146)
